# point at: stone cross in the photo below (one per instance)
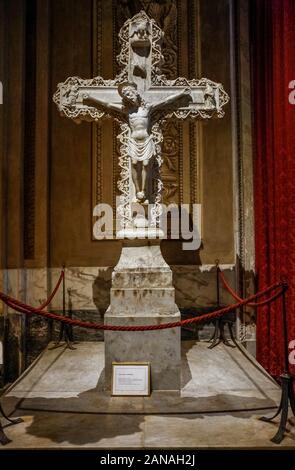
(141, 98)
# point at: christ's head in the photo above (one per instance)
(129, 94)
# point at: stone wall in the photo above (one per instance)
(87, 298)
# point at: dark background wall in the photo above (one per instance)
(48, 161)
(54, 171)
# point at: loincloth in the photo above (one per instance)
(141, 150)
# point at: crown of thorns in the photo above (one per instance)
(125, 85)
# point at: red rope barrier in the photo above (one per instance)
(44, 304)
(47, 302)
(239, 299)
(27, 309)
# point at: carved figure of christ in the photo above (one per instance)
(140, 117)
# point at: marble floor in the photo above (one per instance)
(224, 392)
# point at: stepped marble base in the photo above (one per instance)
(142, 294)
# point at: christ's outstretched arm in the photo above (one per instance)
(118, 108)
(185, 92)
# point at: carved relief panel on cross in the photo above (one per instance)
(141, 98)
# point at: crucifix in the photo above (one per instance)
(140, 98)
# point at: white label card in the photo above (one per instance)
(131, 379)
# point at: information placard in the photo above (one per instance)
(131, 379)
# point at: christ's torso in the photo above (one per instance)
(139, 123)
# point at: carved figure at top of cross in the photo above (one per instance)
(140, 97)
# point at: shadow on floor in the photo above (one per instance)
(125, 430)
(63, 420)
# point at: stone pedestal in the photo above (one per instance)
(142, 294)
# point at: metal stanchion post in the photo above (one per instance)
(66, 331)
(3, 438)
(286, 381)
(216, 334)
(219, 334)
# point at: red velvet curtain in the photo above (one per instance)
(273, 67)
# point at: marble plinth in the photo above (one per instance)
(142, 294)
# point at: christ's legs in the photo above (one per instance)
(139, 172)
(144, 176)
(134, 172)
